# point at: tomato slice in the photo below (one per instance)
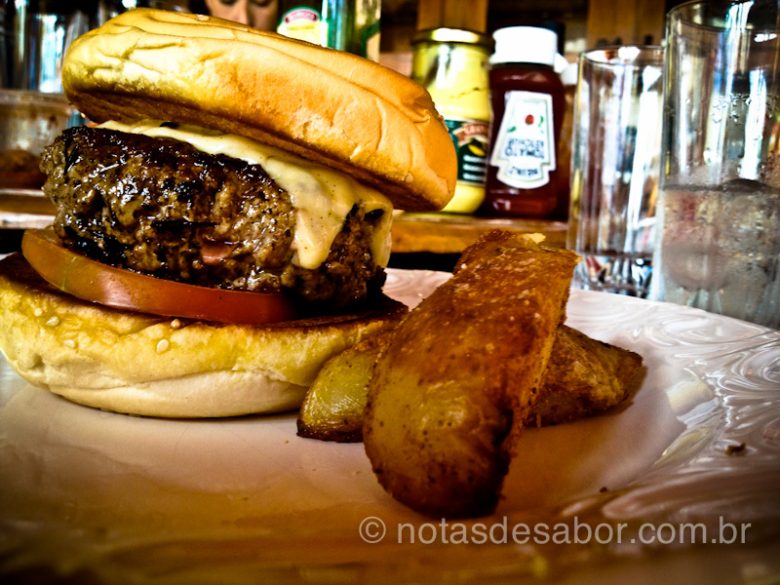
(107, 285)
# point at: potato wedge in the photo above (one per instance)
(460, 373)
(334, 404)
(584, 377)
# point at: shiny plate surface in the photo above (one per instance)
(108, 498)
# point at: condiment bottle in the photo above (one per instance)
(452, 64)
(346, 25)
(527, 97)
(303, 20)
(569, 77)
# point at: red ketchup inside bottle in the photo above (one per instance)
(527, 97)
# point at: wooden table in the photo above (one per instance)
(434, 240)
(448, 233)
(22, 209)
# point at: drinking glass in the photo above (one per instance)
(719, 245)
(615, 167)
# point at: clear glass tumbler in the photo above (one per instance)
(615, 168)
(719, 246)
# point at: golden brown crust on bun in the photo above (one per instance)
(328, 106)
(158, 366)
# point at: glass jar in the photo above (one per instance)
(452, 64)
(351, 26)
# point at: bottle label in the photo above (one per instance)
(470, 138)
(525, 144)
(369, 41)
(304, 23)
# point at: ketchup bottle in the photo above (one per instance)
(527, 97)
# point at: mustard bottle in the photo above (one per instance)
(452, 64)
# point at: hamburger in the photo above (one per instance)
(222, 224)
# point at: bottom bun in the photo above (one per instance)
(158, 366)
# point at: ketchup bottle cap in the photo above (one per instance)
(525, 44)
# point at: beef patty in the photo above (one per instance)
(161, 207)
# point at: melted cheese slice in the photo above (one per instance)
(322, 197)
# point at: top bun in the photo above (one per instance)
(328, 106)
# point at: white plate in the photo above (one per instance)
(127, 499)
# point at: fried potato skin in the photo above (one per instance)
(460, 371)
(335, 403)
(584, 377)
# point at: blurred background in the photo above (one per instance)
(581, 24)
(36, 33)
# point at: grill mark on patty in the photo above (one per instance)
(153, 204)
